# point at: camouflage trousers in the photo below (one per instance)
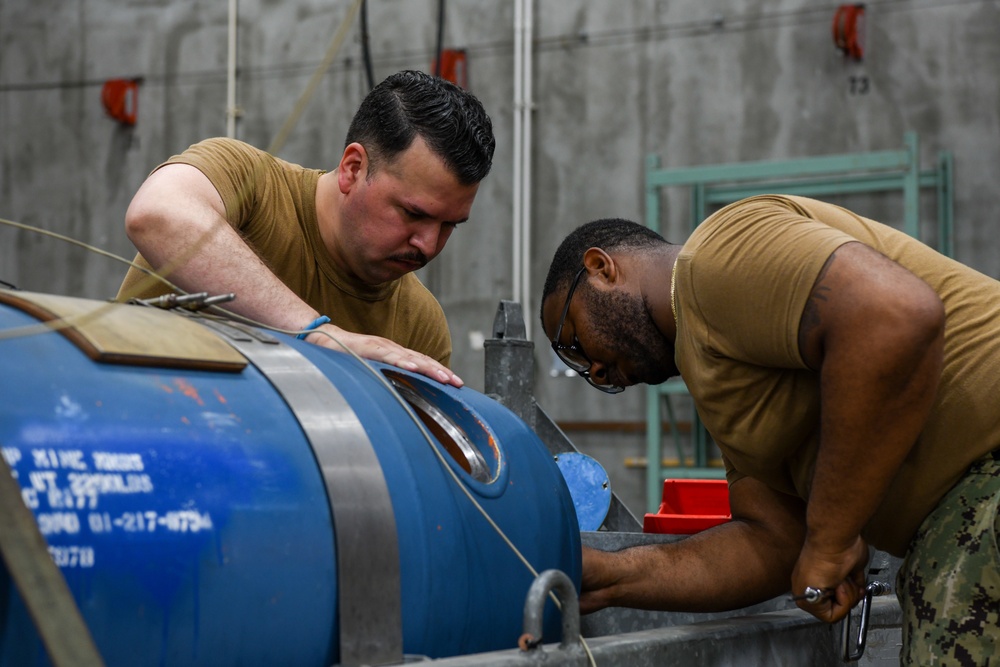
(949, 582)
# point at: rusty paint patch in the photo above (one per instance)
(188, 390)
(186, 420)
(494, 447)
(219, 397)
(490, 441)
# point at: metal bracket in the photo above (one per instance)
(510, 370)
(509, 362)
(534, 611)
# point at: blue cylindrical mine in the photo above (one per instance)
(187, 511)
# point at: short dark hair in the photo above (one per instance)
(608, 234)
(410, 103)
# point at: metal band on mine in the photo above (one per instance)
(368, 579)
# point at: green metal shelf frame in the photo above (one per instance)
(853, 173)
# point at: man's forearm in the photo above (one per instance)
(218, 261)
(732, 565)
(727, 567)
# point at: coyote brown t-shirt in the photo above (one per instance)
(743, 279)
(272, 203)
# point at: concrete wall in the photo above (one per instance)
(694, 81)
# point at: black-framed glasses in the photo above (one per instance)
(573, 355)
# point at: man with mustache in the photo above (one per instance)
(848, 374)
(298, 246)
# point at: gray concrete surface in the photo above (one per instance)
(694, 81)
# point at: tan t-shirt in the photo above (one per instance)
(272, 203)
(743, 279)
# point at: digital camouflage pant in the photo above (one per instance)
(949, 582)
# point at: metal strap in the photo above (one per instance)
(59, 623)
(368, 580)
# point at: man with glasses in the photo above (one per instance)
(573, 355)
(847, 372)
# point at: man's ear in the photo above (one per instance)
(353, 167)
(600, 265)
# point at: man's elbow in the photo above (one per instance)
(136, 220)
(914, 337)
(142, 220)
(928, 318)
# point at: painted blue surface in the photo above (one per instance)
(187, 512)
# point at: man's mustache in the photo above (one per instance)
(416, 256)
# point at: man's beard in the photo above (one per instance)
(623, 324)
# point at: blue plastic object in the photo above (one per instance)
(188, 514)
(588, 486)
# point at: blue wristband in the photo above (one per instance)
(315, 324)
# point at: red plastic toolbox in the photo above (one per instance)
(690, 506)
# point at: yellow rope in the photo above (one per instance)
(331, 52)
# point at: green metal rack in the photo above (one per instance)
(825, 176)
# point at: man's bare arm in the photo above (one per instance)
(730, 566)
(177, 221)
(875, 333)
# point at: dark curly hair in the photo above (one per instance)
(410, 103)
(608, 234)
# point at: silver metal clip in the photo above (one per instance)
(193, 302)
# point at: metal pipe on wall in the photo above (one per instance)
(231, 111)
(523, 104)
(516, 189)
(529, 102)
